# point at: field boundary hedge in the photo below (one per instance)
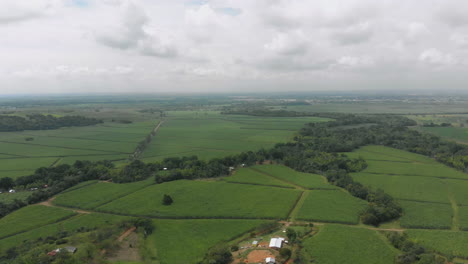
(268, 185)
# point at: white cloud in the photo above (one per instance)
(355, 62)
(291, 43)
(435, 56)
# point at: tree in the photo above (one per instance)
(285, 253)
(218, 255)
(167, 200)
(6, 183)
(291, 234)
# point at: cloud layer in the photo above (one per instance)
(74, 46)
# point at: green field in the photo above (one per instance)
(331, 206)
(250, 176)
(463, 217)
(9, 197)
(446, 242)
(459, 134)
(210, 134)
(342, 244)
(426, 215)
(111, 141)
(186, 241)
(428, 191)
(306, 180)
(82, 221)
(94, 195)
(206, 199)
(30, 217)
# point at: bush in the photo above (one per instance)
(167, 200)
(285, 253)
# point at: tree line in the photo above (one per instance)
(43, 122)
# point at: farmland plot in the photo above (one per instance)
(426, 215)
(247, 175)
(446, 242)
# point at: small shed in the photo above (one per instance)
(11, 191)
(270, 260)
(276, 242)
(255, 243)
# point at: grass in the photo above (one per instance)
(215, 135)
(446, 242)
(94, 195)
(9, 197)
(463, 217)
(187, 241)
(426, 215)
(375, 152)
(306, 180)
(342, 244)
(86, 221)
(31, 217)
(204, 199)
(247, 175)
(331, 206)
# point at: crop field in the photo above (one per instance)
(446, 242)
(459, 134)
(30, 217)
(211, 134)
(463, 217)
(9, 197)
(193, 237)
(342, 244)
(306, 180)
(424, 187)
(204, 199)
(87, 221)
(426, 215)
(111, 141)
(247, 175)
(331, 206)
(94, 195)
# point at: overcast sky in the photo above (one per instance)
(76, 46)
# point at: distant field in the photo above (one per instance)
(447, 242)
(342, 244)
(247, 175)
(8, 197)
(417, 179)
(111, 141)
(94, 195)
(208, 200)
(87, 221)
(30, 217)
(306, 180)
(187, 241)
(454, 133)
(426, 215)
(331, 206)
(210, 134)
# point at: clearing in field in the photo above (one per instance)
(331, 206)
(93, 195)
(343, 244)
(203, 199)
(187, 241)
(250, 176)
(210, 134)
(305, 180)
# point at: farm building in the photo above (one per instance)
(276, 242)
(255, 243)
(12, 191)
(270, 260)
(64, 249)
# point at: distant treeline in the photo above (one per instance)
(43, 122)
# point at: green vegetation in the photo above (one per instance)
(94, 195)
(446, 242)
(210, 134)
(187, 241)
(454, 133)
(331, 206)
(306, 180)
(426, 215)
(250, 176)
(204, 199)
(341, 244)
(31, 217)
(39, 122)
(463, 217)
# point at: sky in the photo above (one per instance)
(197, 46)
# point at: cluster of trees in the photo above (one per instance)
(42, 122)
(412, 252)
(431, 124)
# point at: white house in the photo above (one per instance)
(276, 242)
(11, 191)
(270, 260)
